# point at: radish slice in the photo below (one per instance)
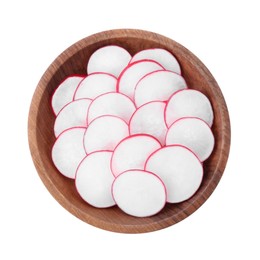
(162, 56)
(64, 93)
(95, 85)
(114, 104)
(104, 133)
(110, 59)
(74, 114)
(149, 119)
(139, 193)
(68, 151)
(188, 103)
(133, 73)
(159, 86)
(193, 133)
(132, 153)
(94, 180)
(179, 169)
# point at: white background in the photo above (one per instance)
(223, 34)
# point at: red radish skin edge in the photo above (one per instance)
(144, 105)
(152, 60)
(126, 139)
(90, 75)
(68, 130)
(73, 98)
(72, 102)
(87, 156)
(175, 94)
(77, 127)
(110, 45)
(155, 72)
(191, 117)
(179, 145)
(113, 45)
(74, 126)
(173, 145)
(78, 168)
(73, 75)
(145, 172)
(104, 150)
(112, 115)
(130, 65)
(77, 173)
(144, 77)
(149, 73)
(164, 114)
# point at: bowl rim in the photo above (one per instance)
(39, 163)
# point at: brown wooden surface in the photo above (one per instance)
(41, 137)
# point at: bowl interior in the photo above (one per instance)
(41, 137)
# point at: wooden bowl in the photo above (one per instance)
(41, 137)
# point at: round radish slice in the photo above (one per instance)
(68, 151)
(110, 59)
(149, 119)
(74, 114)
(180, 170)
(133, 73)
(132, 153)
(193, 133)
(139, 193)
(64, 93)
(95, 85)
(104, 133)
(114, 104)
(158, 86)
(94, 179)
(162, 56)
(188, 103)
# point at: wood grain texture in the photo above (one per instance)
(41, 136)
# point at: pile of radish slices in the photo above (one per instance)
(131, 133)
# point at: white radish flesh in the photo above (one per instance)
(158, 86)
(68, 151)
(149, 119)
(94, 179)
(139, 193)
(115, 104)
(188, 103)
(179, 169)
(104, 133)
(193, 133)
(132, 153)
(162, 56)
(110, 59)
(95, 85)
(65, 92)
(74, 114)
(133, 73)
